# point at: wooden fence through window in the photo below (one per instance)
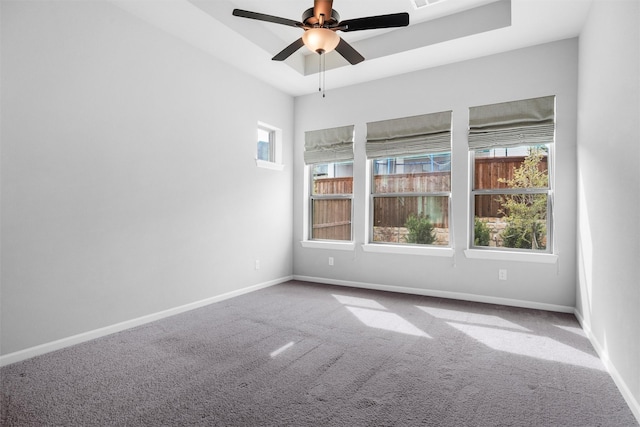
(487, 174)
(332, 217)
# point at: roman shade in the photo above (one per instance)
(328, 145)
(512, 124)
(424, 134)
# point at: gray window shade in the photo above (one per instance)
(328, 145)
(427, 133)
(511, 124)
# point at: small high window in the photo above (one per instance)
(269, 147)
(266, 144)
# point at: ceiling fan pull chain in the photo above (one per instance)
(324, 72)
(321, 72)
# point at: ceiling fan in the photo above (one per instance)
(320, 24)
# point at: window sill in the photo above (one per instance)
(269, 165)
(336, 246)
(409, 250)
(511, 256)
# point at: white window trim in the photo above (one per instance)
(504, 254)
(501, 255)
(269, 165)
(384, 248)
(328, 244)
(409, 249)
(308, 242)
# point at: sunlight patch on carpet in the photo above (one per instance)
(359, 302)
(479, 319)
(386, 321)
(281, 349)
(530, 345)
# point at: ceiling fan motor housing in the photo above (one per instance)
(308, 18)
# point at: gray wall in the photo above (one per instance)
(129, 184)
(608, 293)
(549, 69)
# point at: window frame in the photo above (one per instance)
(312, 197)
(548, 191)
(275, 147)
(271, 141)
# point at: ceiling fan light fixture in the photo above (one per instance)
(320, 40)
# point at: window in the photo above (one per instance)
(511, 147)
(411, 180)
(266, 144)
(329, 156)
(269, 147)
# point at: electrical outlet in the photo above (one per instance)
(330, 260)
(257, 264)
(502, 274)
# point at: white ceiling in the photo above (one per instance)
(445, 32)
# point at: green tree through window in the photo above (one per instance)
(526, 213)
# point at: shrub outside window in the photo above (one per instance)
(410, 199)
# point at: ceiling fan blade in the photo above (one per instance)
(322, 7)
(267, 18)
(374, 22)
(289, 50)
(348, 52)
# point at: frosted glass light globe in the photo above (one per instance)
(320, 40)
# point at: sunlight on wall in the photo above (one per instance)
(585, 249)
(480, 319)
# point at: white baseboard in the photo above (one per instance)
(107, 330)
(634, 405)
(442, 294)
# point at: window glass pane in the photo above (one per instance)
(265, 141)
(331, 219)
(503, 216)
(332, 178)
(418, 174)
(516, 221)
(331, 190)
(411, 219)
(518, 167)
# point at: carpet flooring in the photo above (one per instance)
(301, 354)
